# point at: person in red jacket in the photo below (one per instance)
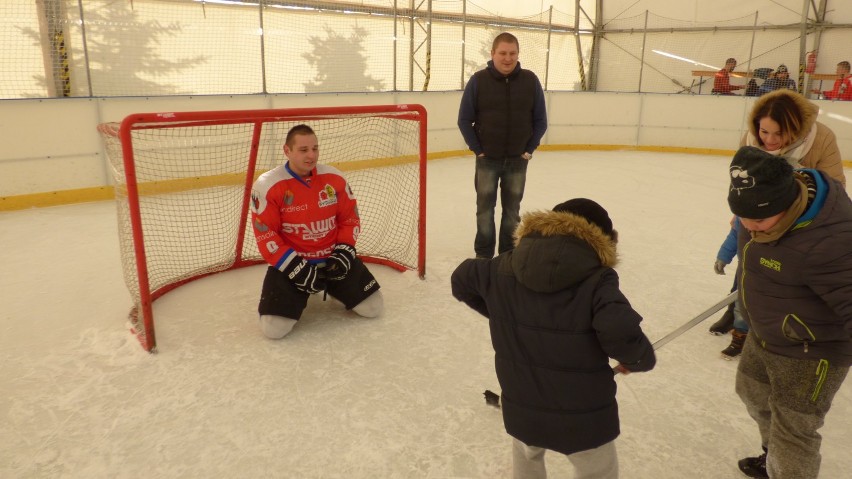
(722, 80)
(306, 224)
(842, 86)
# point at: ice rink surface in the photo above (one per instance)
(400, 396)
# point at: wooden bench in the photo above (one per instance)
(712, 73)
(824, 76)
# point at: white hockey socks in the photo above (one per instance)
(372, 306)
(276, 327)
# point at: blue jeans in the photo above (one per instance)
(739, 323)
(510, 174)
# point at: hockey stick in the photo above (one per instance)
(692, 322)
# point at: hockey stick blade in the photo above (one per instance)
(692, 322)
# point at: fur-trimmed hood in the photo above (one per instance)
(556, 250)
(810, 111)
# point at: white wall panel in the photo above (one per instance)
(53, 145)
(693, 122)
(49, 145)
(592, 118)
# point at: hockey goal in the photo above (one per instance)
(183, 186)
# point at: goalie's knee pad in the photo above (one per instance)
(372, 306)
(276, 327)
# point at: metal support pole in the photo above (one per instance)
(547, 55)
(642, 59)
(411, 49)
(428, 45)
(580, 67)
(596, 49)
(463, 42)
(54, 43)
(805, 86)
(751, 47)
(262, 48)
(85, 48)
(395, 42)
(803, 42)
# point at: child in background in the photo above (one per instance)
(732, 317)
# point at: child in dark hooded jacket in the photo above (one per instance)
(557, 316)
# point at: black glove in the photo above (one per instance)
(719, 266)
(305, 276)
(338, 264)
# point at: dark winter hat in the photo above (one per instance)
(762, 185)
(589, 210)
(762, 73)
(782, 68)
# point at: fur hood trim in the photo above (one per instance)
(553, 223)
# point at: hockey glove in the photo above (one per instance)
(719, 266)
(305, 276)
(340, 261)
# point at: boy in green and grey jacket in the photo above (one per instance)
(795, 285)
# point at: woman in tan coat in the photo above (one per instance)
(785, 123)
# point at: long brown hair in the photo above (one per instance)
(784, 110)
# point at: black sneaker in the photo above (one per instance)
(724, 325)
(754, 466)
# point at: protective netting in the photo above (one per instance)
(190, 178)
(651, 53)
(105, 48)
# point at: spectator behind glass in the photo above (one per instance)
(777, 81)
(722, 80)
(842, 86)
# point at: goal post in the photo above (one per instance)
(183, 189)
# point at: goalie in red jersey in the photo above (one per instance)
(305, 220)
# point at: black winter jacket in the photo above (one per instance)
(503, 116)
(796, 292)
(556, 315)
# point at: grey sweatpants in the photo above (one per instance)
(788, 398)
(598, 463)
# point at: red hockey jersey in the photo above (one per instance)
(305, 216)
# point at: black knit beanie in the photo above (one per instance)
(589, 210)
(762, 185)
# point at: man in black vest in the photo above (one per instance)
(502, 118)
